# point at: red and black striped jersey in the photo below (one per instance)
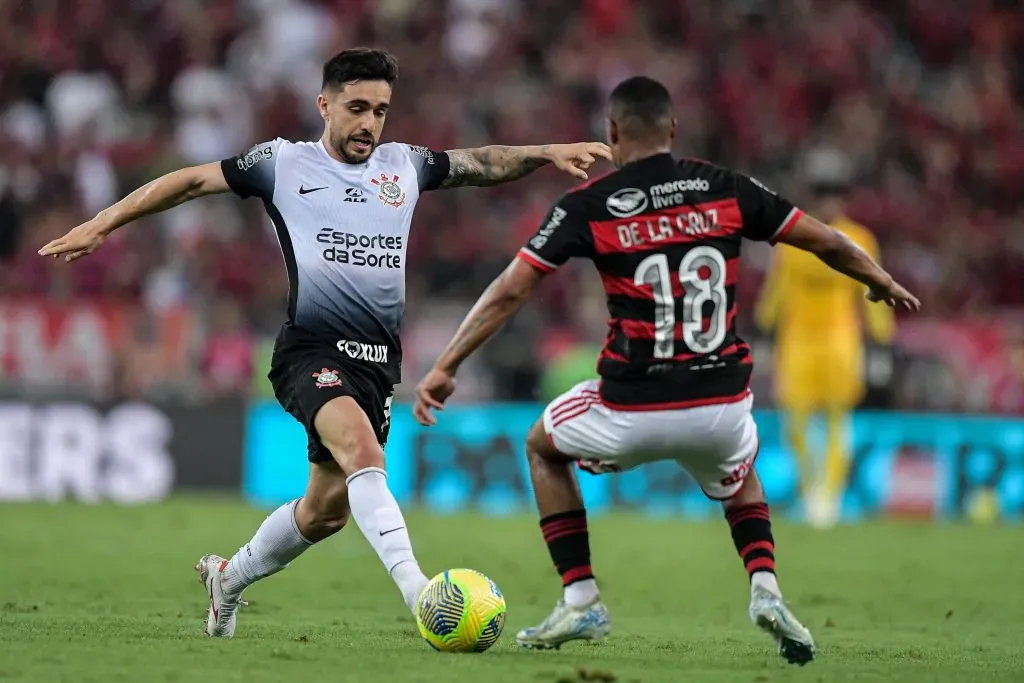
(665, 236)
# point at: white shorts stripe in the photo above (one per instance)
(576, 412)
(572, 402)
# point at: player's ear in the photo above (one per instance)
(611, 132)
(321, 104)
(672, 129)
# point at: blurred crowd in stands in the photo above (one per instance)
(923, 97)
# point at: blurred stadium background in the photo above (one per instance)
(141, 370)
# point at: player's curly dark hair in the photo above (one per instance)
(359, 64)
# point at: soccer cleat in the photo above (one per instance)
(567, 623)
(220, 618)
(768, 613)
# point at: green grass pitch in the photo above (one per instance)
(108, 594)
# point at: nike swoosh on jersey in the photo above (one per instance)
(303, 190)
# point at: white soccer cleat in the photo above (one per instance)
(771, 615)
(220, 618)
(567, 623)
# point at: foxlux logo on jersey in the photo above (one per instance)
(671, 194)
(355, 250)
(371, 353)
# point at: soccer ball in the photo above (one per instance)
(460, 610)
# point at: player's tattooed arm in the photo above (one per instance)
(496, 305)
(497, 164)
(493, 165)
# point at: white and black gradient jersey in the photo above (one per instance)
(343, 230)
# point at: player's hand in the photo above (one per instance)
(577, 157)
(431, 393)
(81, 241)
(895, 295)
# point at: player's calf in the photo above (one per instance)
(579, 614)
(346, 431)
(563, 517)
(284, 535)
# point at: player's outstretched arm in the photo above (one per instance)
(496, 164)
(842, 254)
(496, 305)
(159, 195)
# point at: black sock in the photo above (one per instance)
(752, 535)
(569, 544)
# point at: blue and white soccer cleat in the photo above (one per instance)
(770, 614)
(566, 623)
(220, 618)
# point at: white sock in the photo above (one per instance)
(581, 593)
(377, 515)
(276, 543)
(767, 581)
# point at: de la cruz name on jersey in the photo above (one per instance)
(665, 237)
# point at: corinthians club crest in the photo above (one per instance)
(327, 378)
(391, 193)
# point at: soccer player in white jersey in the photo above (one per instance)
(342, 208)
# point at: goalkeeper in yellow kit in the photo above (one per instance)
(819, 318)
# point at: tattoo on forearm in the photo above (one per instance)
(493, 165)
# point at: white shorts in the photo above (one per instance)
(715, 444)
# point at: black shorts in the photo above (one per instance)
(305, 377)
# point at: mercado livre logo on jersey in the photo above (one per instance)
(391, 193)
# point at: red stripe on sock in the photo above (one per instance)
(755, 509)
(563, 527)
(577, 574)
(570, 525)
(559, 523)
(757, 545)
(562, 534)
(750, 515)
(761, 564)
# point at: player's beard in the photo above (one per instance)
(342, 150)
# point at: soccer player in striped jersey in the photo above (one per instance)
(665, 236)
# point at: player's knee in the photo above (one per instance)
(345, 431)
(358, 456)
(535, 439)
(538, 445)
(749, 492)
